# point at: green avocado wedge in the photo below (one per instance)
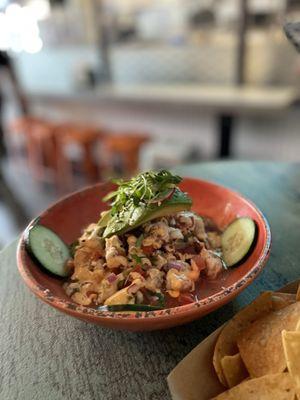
(141, 214)
(104, 220)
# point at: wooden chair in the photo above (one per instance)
(42, 152)
(125, 148)
(17, 140)
(85, 139)
(39, 152)
(47, 156)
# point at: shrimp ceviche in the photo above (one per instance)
(147, 251)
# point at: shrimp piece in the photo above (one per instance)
(131, 240)
(84, 274)
(81, 299)
(106, 289)
(154, 279)
(160, 261)
(157, 234)
(185, 221)
(126, 295)
(86, 294)
(114, 253)
(114, 242)
(95, 244)
(191, 222)
(178, 281)
(91, 232)
(135, 275)
(213, 263)
(199, 228)
(71, 288)
(175, 234)
(85, 254)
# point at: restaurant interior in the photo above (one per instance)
(94, 89)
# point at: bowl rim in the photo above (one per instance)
(79, 311)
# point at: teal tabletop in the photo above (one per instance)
(48, 355)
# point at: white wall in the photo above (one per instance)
(54, 70)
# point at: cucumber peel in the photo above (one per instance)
(129, 307)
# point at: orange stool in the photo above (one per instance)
(42, 151)
(17, 139)
(126, 147)
(85, 139)
(40, 148)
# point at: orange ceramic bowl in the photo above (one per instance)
(70, 215)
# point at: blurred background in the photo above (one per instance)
(91, 89)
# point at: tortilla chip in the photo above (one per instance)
(268, 387)
(291, 346)
(281, 300)
(260, 344)
(234, 369)
(298, 294)
(226, 344)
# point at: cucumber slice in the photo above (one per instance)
(237, 240)
(129, 307)
(48, 249)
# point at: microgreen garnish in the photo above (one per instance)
(139, 241)
(137, 198)
(138, 260)
(143, 188)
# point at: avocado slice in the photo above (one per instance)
(105, 217)
(178, 202)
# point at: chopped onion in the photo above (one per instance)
(179, 265)
(111, 278)
(167, 196)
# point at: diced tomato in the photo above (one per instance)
(147, 250)
(200, 261)
(139, 269)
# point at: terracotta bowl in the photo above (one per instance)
(70, 215)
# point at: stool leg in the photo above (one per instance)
(64, 172)
(89, 166)
(34, 158)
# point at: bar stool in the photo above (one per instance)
(42, 151)
(82, 140)
(123, 150)
(38, 147)
(17, 139)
